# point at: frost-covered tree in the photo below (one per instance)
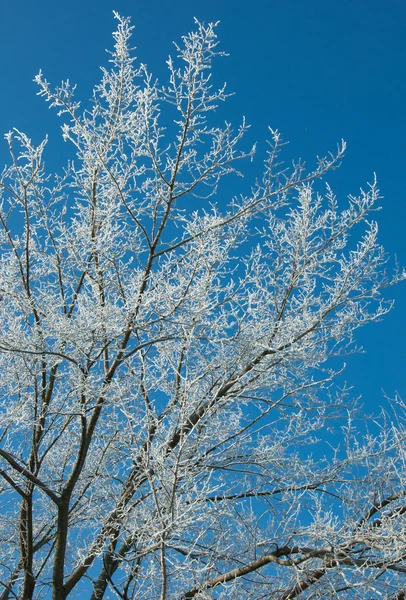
(170, 425)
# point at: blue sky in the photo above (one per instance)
(318, 70)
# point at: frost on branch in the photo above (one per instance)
(170, 423)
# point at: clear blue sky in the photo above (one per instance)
(318, 70)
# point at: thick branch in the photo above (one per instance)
(274, 557)
(28, 475)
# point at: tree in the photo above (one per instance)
(171, 427)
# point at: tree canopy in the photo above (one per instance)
(171, 425)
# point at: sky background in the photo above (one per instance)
(317, 70)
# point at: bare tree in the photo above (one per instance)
(170, 426)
